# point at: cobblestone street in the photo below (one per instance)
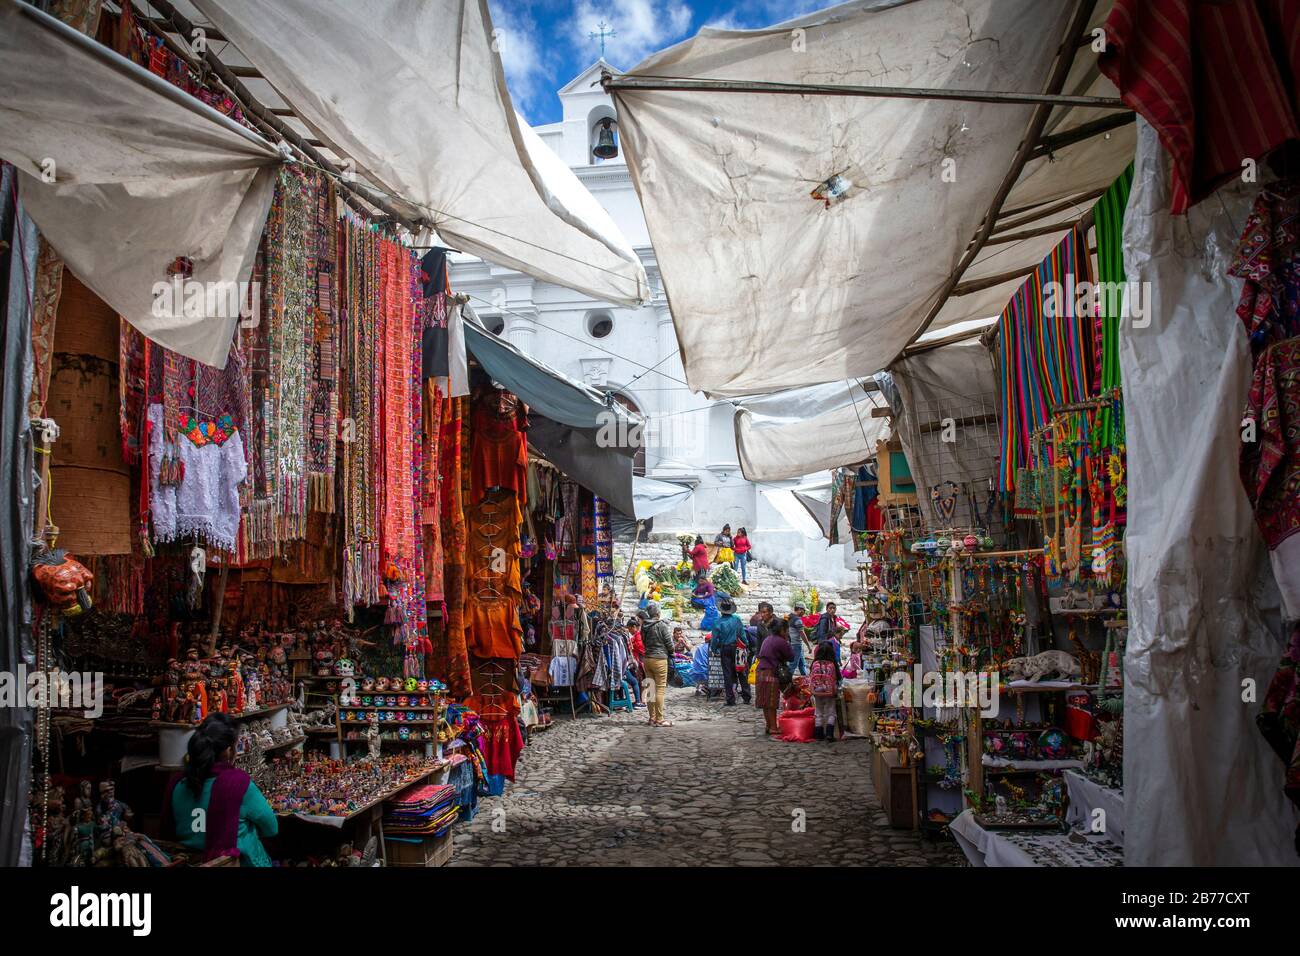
(708, 791)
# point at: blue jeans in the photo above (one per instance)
(741, 564)
(798, 664)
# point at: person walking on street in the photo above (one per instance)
(658, 641)
(798, 639)
(824, 682)
(825, 625)
(774, 656)
(728, 641)
(742, 548)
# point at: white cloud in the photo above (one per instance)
(529, 70)
(640, 26)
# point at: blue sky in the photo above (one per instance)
(544, 43)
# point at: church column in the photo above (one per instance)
(672, 451)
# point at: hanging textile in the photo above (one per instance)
(1211, 78)
(1279, 721)
(282, 338)
(358, 404)
(494, 587)
(1268, 258)
(604, 532)
(500, 455)
(455, 544)
(1270, 465)
(45, 307)
(402, 540)
(1044, 354)
(1108, 220)
(430, 508)
(323, 355)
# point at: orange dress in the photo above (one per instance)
(493, 589)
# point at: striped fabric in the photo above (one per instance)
(1108, 217)
(1209, 78)
(1043, 360)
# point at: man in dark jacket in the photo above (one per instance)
(825, 628)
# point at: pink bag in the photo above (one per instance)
(821, 679)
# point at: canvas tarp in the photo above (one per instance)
(143, 173)
(1201, 787)
(653, 497)
(433, 126)
(726, 179)
(947, 422)
(796, 432)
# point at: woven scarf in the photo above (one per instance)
(1108, 216)
(1044, 360)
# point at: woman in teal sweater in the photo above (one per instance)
(215, 807)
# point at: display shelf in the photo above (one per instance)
(246, 715)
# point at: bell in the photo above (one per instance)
(605, 147)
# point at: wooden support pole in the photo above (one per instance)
(230, 77)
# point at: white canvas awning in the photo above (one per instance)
(797, 432)
(413, 93)
(142, 174)
(727, 180)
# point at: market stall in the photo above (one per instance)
(321, 516)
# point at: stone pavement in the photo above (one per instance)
(708, 791)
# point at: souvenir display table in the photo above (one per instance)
(996, 847)
(1086, 796)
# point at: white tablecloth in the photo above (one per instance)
(1030, 847)
(1087, 795)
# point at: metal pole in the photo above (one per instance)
(620, 84)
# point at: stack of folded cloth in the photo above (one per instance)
(428, 810)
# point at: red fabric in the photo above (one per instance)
(1218, 81)
(500, 456)
(741, 544)
(502, 744)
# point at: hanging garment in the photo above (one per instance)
(1211, 78)
(205, 500)
(1268, 258)
(1270, 465)
(500, 453)
(1279, 721)
(493, 584)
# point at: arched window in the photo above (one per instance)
(496, 324)
(595, 123)
(638, 462)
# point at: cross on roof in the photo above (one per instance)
(601, 35)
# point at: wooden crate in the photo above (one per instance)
(431, 851)
(894, 787)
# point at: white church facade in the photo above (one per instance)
(633, 354)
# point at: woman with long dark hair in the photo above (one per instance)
(773, 665)
(212, 805)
